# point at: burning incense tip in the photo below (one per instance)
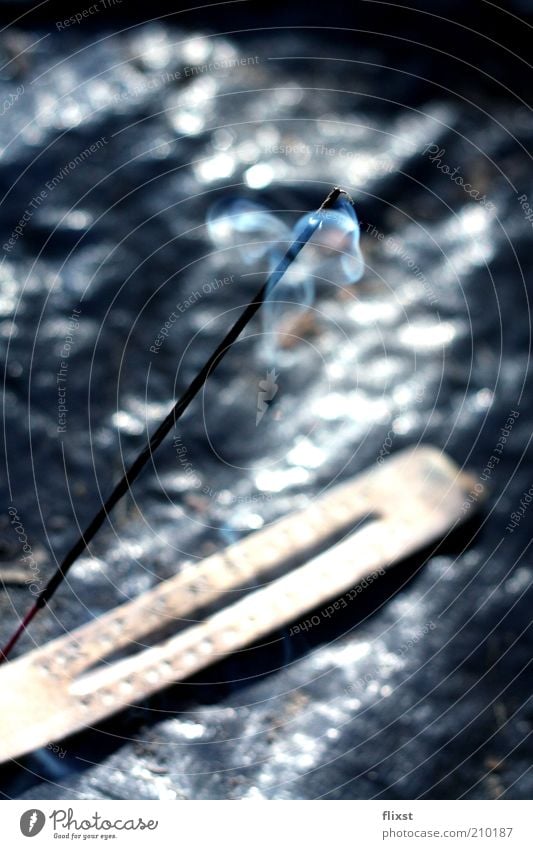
(253, 235)
(305, 231)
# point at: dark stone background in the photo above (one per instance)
(122, 237)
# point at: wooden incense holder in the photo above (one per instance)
(412, 499)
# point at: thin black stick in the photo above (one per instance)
(156, 439)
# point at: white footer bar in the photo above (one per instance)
(256, 824)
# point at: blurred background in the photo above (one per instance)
(122, 132)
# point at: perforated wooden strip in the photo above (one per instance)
(419, 495)
(243, 563)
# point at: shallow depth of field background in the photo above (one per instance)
(421, 688)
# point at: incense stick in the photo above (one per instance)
(177, 411)
(75, 681)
